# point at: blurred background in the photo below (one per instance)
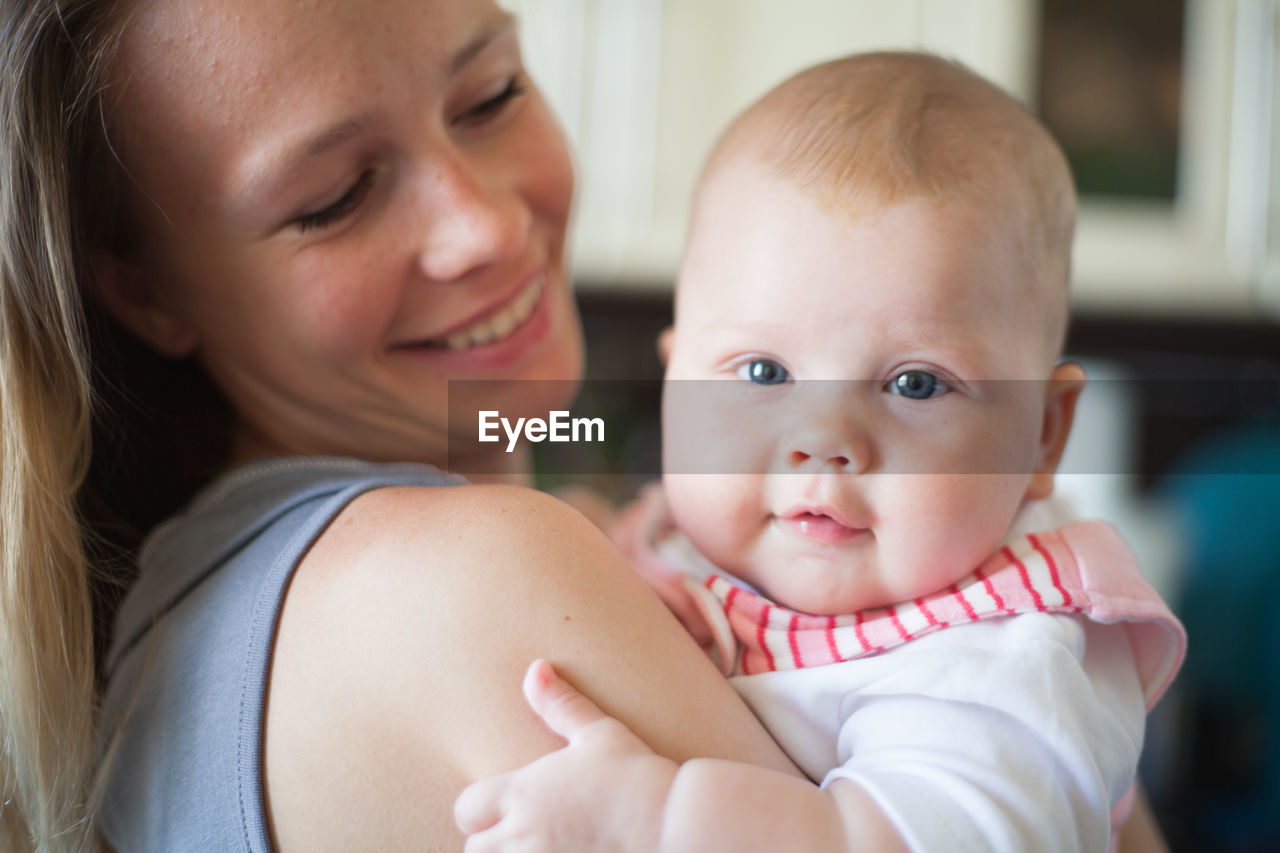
(1169, 112)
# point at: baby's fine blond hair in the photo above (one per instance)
(872, 130)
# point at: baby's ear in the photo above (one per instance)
(132, 298)
(664, 344)
(1065, 384)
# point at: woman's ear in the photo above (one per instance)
(130, 296)
(1065, 384)
(664, 344)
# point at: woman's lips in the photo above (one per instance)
(820, 527)
(521, 325)
(496, 326)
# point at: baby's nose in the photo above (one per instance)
(813, 448)
(829, 429)
(800, 457)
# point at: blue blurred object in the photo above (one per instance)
(1226, 795)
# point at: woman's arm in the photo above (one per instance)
(395, 677)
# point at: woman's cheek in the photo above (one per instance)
(339, 304)
(550, 185)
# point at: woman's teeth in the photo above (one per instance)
(498, 326)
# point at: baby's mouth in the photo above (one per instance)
(820, 527)
(496, 327)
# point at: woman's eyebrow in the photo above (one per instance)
(332, 137)
(269, 168)
(468, 52)
(339, 133)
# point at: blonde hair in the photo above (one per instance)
(53, 60)
(875, 129)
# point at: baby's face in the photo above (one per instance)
(886, 387)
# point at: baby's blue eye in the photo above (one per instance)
(917, 385)
(764, 371)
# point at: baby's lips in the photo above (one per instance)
(821, 527)
(813, 509)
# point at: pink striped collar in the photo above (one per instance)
(1036, 572)
(1084, 567)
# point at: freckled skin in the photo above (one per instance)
(466, 204)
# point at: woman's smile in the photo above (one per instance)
(495, 324)
(500, 337)
(442, 260)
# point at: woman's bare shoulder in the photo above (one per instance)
(402, 645)
(407, 532)
(396, 556)
(396, 631)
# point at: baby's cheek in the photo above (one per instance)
(972, 514)
(944, 525)
(717, 512)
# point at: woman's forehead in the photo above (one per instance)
(201, 71)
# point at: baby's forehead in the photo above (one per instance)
(763, 253)
(822, 346)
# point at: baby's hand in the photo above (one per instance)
(604, 791)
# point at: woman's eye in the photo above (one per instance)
(349, 202)
(492, 106)
(764, 371)
(917, 385)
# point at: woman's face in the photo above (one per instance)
(342, 206)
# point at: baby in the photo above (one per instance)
(856, 520)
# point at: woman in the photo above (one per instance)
(333, 209)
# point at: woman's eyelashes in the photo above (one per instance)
(763, 371)
(344, 206)
(478, 114)
(917, 385)
(491, 107)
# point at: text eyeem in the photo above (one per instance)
(558, 426)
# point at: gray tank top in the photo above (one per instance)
(187, 670)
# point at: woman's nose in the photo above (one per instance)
(473, 219)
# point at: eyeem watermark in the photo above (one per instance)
(558, 427)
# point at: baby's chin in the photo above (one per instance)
(814, 598)
(823, 597)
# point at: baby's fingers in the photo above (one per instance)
(478, 807)
(565, 711)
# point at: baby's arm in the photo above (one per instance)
(556, 804)
(1010, 735)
